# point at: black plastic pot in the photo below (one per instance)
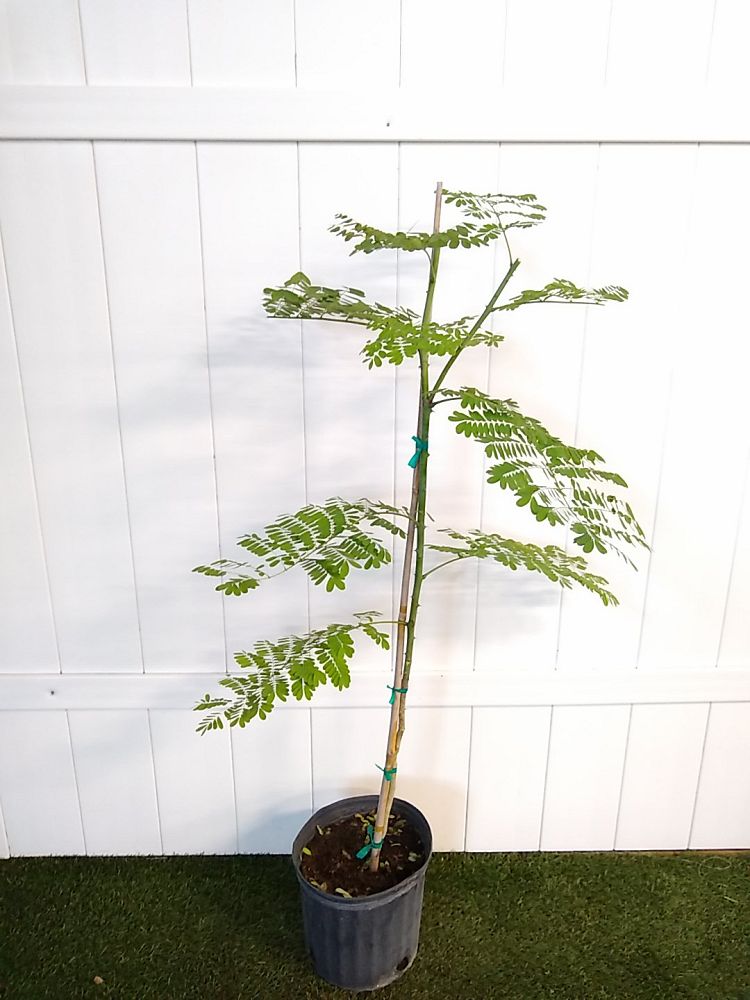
(367, 942)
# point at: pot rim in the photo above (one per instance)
(394, 890)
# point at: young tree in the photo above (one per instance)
(558, 483)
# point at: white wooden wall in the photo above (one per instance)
(160, 163)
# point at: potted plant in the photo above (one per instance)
(361, 862)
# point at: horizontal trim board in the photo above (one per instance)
(264, 115)
(368, 689)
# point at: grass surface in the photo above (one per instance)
(568, 927)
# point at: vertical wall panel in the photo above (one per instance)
(433, 762)
(274, 800)
(586, 754)
(38, 785)
(236, 43)
(722, 809)
(115, 772)
(342, 44)
(349, 411)
(626, 373)
(251, 241)
(40, 42)
(4, 849)
(556, 41)
(728, 65)
(734, 651)
(466, 281)
(654, 42)
(438, 39)
(57, 292)
(707, 439)
(665, 743)
(136, 41)
(194, 785)
(27, 629)
(149, 202)
(506, 778)
(538, 365)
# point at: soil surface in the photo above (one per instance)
(329, 861)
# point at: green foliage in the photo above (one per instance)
(488, 217)
(557, 482)
(326, 540)
(551, 561)
(562, 290)
(294, 665)
(399, 331)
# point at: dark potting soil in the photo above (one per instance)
(329, 861)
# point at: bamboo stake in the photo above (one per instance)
(407, 614)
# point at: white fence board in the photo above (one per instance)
(433, 762)
(194, 785)
(734, 650)
(115, 776)
(40, 42)
(57, 292)
(508, 763)
(136, 42)
(349, 411)
(4, 849)
(728, 64)
(722, 808)
(38, 785)
(150, 225)
(233, 42)
(665, 745)
(27, 630)
(273, 782)
(584, 771)
(250, 241)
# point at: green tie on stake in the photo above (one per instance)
(421, 446)
(371, 845)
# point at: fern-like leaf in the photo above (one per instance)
(556, 481)
(551, 561)
(327, 540)
(294, 665)
(562, 290)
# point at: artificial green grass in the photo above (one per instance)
(521, 926)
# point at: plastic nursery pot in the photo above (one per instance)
(369, 941)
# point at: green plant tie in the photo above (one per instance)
(388, 772)
(421, 446)
(393, 693)
(371, 845)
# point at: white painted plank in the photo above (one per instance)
(27, 629)
(586, 755)
(234, 42)
(433, 763)
(685, 609)
(630, 114)
(251, 241)
(38, 785)
(466, 281)
(272, 781)
(194, 785)
(40, 42)
(642, 42)
(546, 41)
(722, 809)
(151, 232)
(629, 345)
(437, 40)
(665, 743)
(341, 44)
(734, 651)
(506, 778)
(50, 227)
(136, 42)
(115, 773)
(349, 410)
(4, 849)
(728, 64)
(538, 365)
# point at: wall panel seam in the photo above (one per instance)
(700, 775)
(75, 783)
